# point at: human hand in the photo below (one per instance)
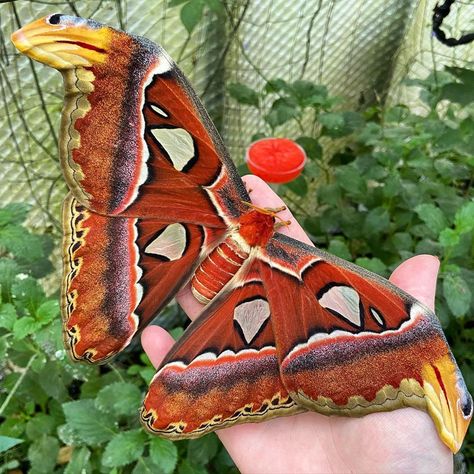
(404, 440)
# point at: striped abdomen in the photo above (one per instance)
(217, 269)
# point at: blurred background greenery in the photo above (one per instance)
(385, 113)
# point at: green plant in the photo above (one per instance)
(386, 183)
(57, 416)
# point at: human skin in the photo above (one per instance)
(402, 441)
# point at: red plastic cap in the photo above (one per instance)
(275, 160)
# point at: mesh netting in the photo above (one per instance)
(362, 50)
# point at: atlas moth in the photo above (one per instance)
(155, 202)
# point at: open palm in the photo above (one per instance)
(401, 441)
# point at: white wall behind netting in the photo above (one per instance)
(361, 49)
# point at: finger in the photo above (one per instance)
(156, 342)
(417, 276)
(262, 196)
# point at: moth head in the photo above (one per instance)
(65, 42)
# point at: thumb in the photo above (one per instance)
(417, 276)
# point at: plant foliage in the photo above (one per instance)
(385, 183)
(61, 417)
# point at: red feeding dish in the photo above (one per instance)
(275, 160)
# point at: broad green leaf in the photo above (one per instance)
(8, 271)
(457, 294)
(464, 218)
(332, 121)
(373, 264)
(339, 248)
(402, 241)
(24, 326)
(8, 316)
(432, 216)
(47, 311)
(311, 146)
(191, 14)
(449, 238)
(175, 3)
(80, 461)
(145, 465)
(202, 450)
(275, 85)
(120, 398)
(186, 466)
(20, 242)
(377, 221)
(299, 186)
(460, 93)
(39, 425)
(68, 435)
(306, 93)
(42, 454)
(243, 94)
(164, 453)
(27, 293)
(14, 213)
(350, 180)
(89, 423)
(215, 6)
(6, 443)
(53, 380)
(282, 111)
(124, 448)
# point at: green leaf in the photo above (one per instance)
(432, 216)
(80, 461)
(275, 85)
(145, 465)
(43, 453)
(17, 240)
(187, 467)
(164, 453)
(449, 238)
(457, 294)
(120, 398)
(402, 241)
(27, 293)
(6, 443)
(460, 93)
(339, 248)
(464, 218)
(311, 147)
(191, 14)
(90, 424)
(39, 425)
(14, 213)
(215, 6)
(47, 311)
(373, 264)
(332, 121)
(175, 3)
(8, 271)
(306, 93)
(202, 450)
(299, 186)
(282, 111)
(377, 221)
(124, 448)
(24, 326)
(243, 94)
(8, 316)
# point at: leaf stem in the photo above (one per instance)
(17, 384)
